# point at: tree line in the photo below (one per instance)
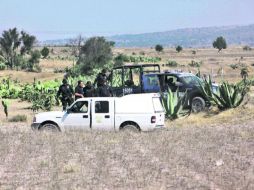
(17, 52)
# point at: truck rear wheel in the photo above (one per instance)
(130, 128)
(197, 104)
(49, 127)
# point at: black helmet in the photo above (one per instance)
(104, 71)
(65, 81)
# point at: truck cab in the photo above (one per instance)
(140, 112)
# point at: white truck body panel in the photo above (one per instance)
(108, 113)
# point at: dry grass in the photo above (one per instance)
(205, 151)
(29, 77)
(212, 60)
(218, 157)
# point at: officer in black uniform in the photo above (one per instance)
(79, 92)
(89, 90)
(101, 77)
(66, 92)
(104, 90)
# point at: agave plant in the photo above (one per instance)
(173, 104)
(226, 96)
(5, 104)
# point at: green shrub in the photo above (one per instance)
(37, 68)
(45, 52)
(195, 64)
(18, 118)
(171, 64)
(2, 66)
(179, 48)
(234, 66)
(247, 48)
(57, 70)
(159, 48)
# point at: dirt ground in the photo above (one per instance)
(210, 150)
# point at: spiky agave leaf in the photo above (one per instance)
(5, 104)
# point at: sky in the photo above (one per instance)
(59, 19)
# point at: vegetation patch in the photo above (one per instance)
(18, 118)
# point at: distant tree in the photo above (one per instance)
(34, 60)
(27, 42)
(45, 52)
(9, 43)
(194, 52)
(179, 48)
(220, 43)
(159, 48)
(95, 53)
(76, 44)
(247, 48)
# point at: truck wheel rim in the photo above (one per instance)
(197, 106)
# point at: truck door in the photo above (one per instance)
(103, 114)
(77, 116)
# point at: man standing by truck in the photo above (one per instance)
(66, 93)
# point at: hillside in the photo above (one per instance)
(189, 37)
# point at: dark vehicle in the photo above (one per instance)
(135, 79)
(147, 78)
(185, 83)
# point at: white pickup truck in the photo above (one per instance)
(140, 112)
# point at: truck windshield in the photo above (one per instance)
(151, 83)
(157, 105)
(191, 80)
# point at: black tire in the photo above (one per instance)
(197, 104)
(50, 127)
(130, 128)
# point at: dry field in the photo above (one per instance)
(189, 157)
(210, 150)
(212, 62)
